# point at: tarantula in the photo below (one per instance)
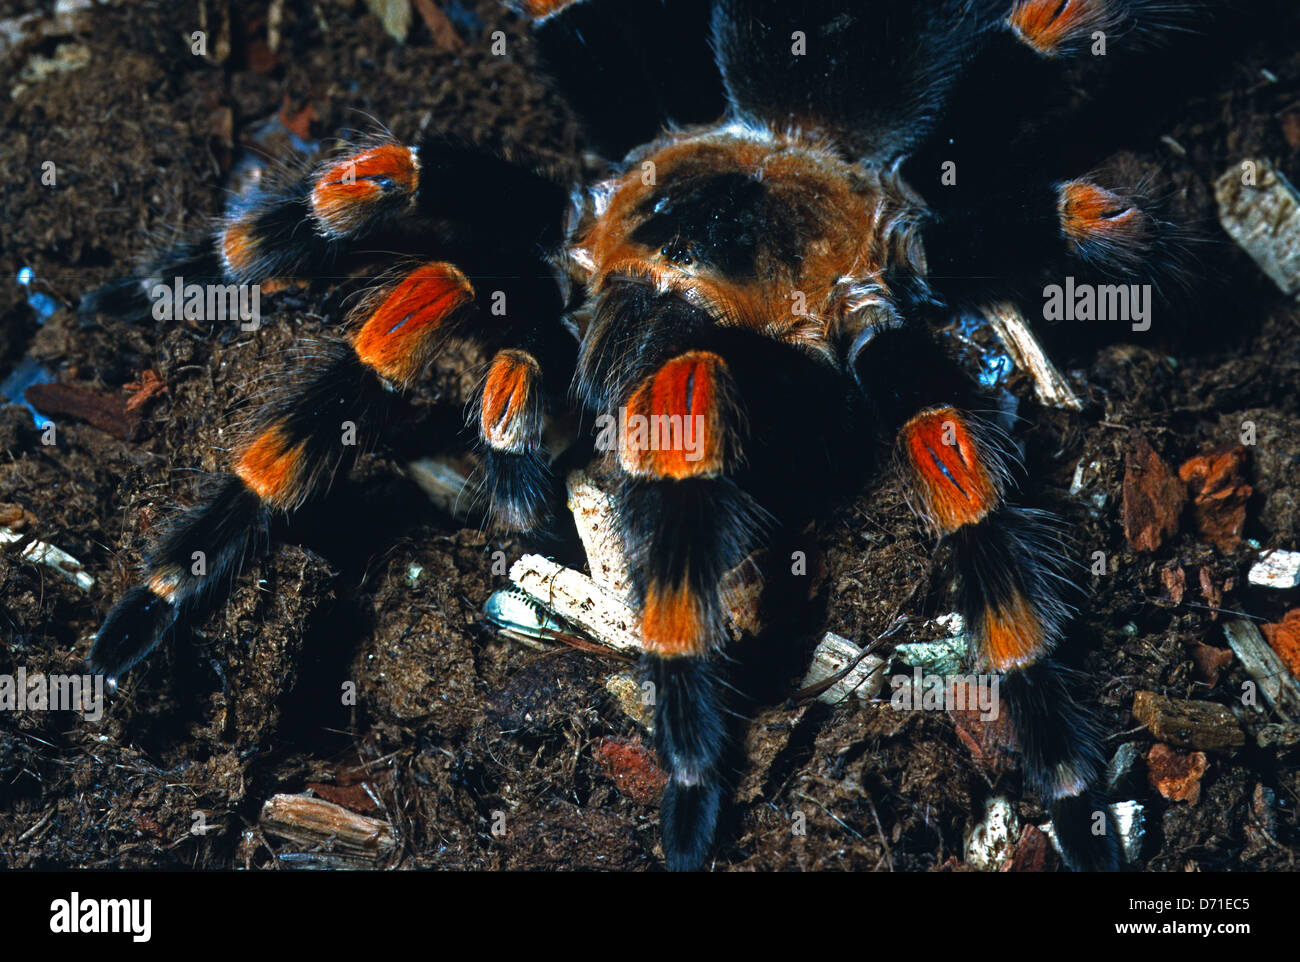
(755, 259)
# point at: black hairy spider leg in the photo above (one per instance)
(685, 523)
(1013, 578)
(508, 413)
(684, 536)
(431, 198)
(1069, 28)
(699, 492)
(302, 437)
(877, 74)
(628, 67)
(990, 249)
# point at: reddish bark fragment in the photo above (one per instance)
(1216, 482)
(632, 767)
(353, 797)
(1153, 497)
(992, 743)
(1176, 775)
(1033, 853)
(107, 412)
(144, 390)
(444, 34)
(1210, 661)
(1175, 582)
(1284, 638)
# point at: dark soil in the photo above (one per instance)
(452, 723)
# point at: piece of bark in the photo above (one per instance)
(632, 767)
(143, 390)
(1264, 218)
(1280, 689)
(1210, 662)
(444, 34)
(1276, 569)
(330, 832)
(108, 412)
(1176, 775)
(1291, 128)
(1199, 725)
(1033, 853)
(1175, 581)
(992, 743)
(1216, 483)
(573, 596)
(832, 656)
(593, 515)
(1211, 591)
(1014, 332)
(352, 797)
(1153, 496)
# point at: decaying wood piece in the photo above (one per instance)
(328, 832)
(1264, 218)
(576, 598)
(599, 604)
(593, 514)
(1199, 725)
(833, 655)
(1276, 684)
(1013, 331)
(38, 552)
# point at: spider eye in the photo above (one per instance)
(681, 253)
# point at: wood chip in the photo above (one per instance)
(108, 412)
(1176, 775)
(1276, 569)
(1280, 690)
(1210, 662)
(1013, 331)
(38, 552)
(444, 34)
(833, 655)
(574, 597)
(631, 766)
(593, 514)
(631, 697)
(989, 844)
(1216, 482)
(1199, 725)
(1284, 638)
(1264, 219)
(1033, 853)
(328, 834)
(1153, 496)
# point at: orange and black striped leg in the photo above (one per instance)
(434, 196)
(1120, 233)
(285, 231)
(1012, 571)
(1108, 232)
(509, 415)
(1060, 28)
(1069, 28)
(685, 523)
(1012, 582)
(1105, 227)
(314, 428)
